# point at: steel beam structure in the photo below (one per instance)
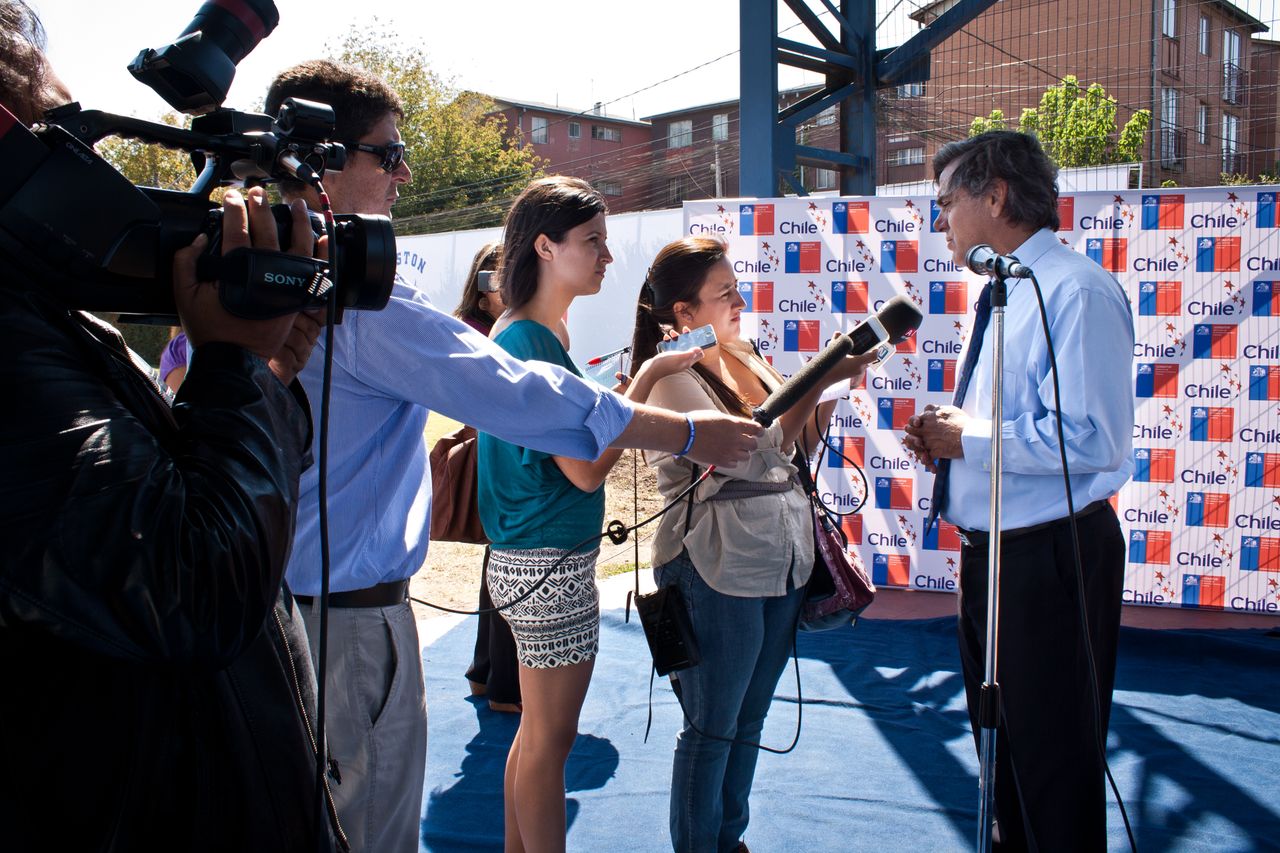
(854, 72)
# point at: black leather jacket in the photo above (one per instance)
(156, 691)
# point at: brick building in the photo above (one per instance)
(694, 153)
(1264, 111)
(1187, 62)
(1212, 88)
(610, 152)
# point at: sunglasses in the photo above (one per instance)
(391, 155)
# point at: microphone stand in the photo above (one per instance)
(989, 696)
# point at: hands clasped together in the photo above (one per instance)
(934, 434)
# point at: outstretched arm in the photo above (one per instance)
(590, 475)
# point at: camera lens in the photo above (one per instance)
(236, 26)
(367, 258)
(194, 73)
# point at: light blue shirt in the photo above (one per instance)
(390, 368)
(1092, 328)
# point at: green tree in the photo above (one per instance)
(465, 172)
(148, 164)
(1077, 128)
(995, 121)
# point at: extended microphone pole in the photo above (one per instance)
(893, 323)
(984, 261)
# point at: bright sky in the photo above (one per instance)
(576, 51)
(571, 52)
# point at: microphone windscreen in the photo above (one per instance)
(900, 317)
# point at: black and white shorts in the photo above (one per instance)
(559, 625)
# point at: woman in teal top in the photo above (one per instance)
(525, 499)
(537, 507)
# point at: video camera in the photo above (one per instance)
(73, 223)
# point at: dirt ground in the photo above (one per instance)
(451, 574)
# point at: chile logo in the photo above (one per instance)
(1218, 254)
(1159, 298)
(850, 217)
(755, 220)
(1163, 212)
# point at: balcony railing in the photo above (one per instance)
(1232, 83)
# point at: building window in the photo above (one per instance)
(1169, 107)
(824, 179)
(905, 157)
(1204, 35)
(720, 127)
(1170, 27)
(538, 136)
(680, 134)
(1202, 124)
(608, 134)
(677, 189)
(828, 116)
(1230, 146)
(575, 130)
(911, 90)
(608, 187)
(1231, 90)
(1172, 140)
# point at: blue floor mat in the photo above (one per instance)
(885, 760)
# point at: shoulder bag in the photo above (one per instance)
(455, 508)
(839, 588)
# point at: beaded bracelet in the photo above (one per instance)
(692, 432)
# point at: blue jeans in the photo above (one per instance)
(745, 643)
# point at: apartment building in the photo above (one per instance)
(1212, 87)
(609, 151)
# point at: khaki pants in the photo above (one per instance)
(375, 723)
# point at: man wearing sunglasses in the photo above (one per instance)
(389, 368)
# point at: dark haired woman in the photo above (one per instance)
(537, 507)
(493, 672)
(481, 304)
(741, 554)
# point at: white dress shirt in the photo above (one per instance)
(1092, 330)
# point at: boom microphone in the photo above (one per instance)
(895, 322)
(985, 260)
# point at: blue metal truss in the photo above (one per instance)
(854, 69)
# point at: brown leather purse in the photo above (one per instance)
(455, 508)
(839, 588)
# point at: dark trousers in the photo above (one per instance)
(494, 663)
(1050, 791)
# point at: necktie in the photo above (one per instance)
(982, 316)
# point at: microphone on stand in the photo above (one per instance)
(985, 260)
(897, 320)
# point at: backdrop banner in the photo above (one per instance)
(1202, 271)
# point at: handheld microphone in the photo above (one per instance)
(897, 320)
(984, 260)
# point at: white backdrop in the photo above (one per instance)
(1202, 515)
(1200, 266)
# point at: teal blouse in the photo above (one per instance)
(525, 501)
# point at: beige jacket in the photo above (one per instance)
(744, 546)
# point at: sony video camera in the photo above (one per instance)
(73, 223)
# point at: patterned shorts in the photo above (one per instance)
(558, 625)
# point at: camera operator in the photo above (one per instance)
(390, 368)
(157, 691)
